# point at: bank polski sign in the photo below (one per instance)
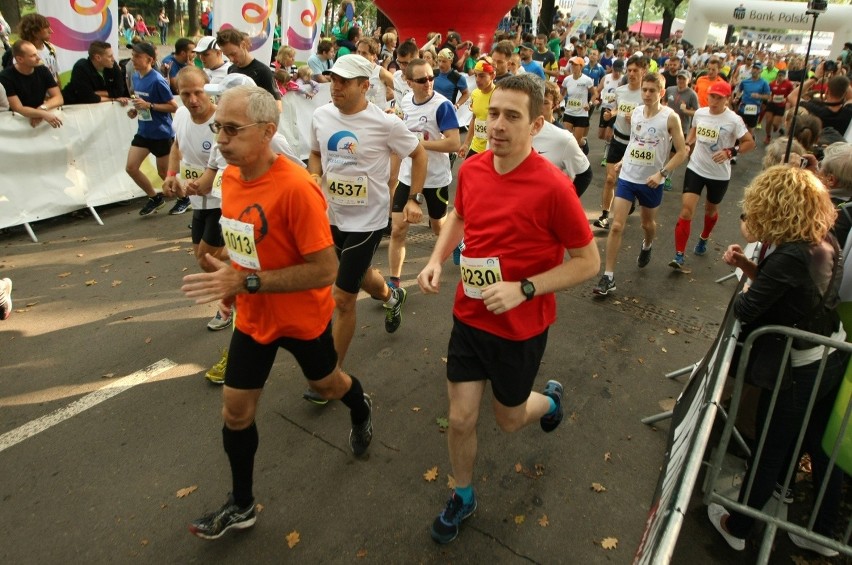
(777, 17)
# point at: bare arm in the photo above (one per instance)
(429, 278)
(318, 270)
(465, 96)
(449, 144)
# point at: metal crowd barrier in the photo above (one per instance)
(777, 520)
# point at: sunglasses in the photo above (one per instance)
(230, 131)
(423, 80)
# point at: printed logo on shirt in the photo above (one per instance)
(342, 147)
(255, 216)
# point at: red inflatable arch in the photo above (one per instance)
(475, 20)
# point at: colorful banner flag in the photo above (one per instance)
(76, 24)
(300, 26)
(254, 17)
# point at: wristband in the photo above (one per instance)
(732, 151)
(171, 174)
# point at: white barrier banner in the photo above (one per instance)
(296, 114)
(300, 24)
(49, 172)
(76, 24)
(255, 17)
(582, 14)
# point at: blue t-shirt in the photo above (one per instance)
(606, 62)
(444, 85)
(749, 87)
(595, 73)
(533, 67)
(174, 65)
(153, 88)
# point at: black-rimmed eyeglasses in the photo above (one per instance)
(230, 131)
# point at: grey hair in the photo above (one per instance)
(776, 150)
(838, 162)
(260, 105)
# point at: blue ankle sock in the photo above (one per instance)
(552, 409)
(465, 493)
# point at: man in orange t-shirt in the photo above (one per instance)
(702, 83)
(282, 265)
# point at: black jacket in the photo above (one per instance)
(85, 80)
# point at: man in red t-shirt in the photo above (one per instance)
(518, 215)
(780, 89)
(282, 265)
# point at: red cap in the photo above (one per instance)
(720, 88)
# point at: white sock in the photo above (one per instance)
(610, 275)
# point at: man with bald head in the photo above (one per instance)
(282, 264)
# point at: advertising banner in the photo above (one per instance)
(257, 18)
(300, 26)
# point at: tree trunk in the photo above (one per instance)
(729, 36)
(383, 22)
(170, 13)
(11, 12)
(545, 17)
(622, 15)
(666, 30)
(193, 15)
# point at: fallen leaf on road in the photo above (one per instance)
(443, 423)
(184, 269)
(616, 302)
(83, 239)
(361, 553)
(652, 339)
(519, 519)
(451, 482)
(91, 282)
(609, 543)
(664, 350)
(147, 340)
(671, 331)
(431, 474)
(608, 456)
(107, 375)
(543, 521)
(641, 361)
(116, 283)
(31, 304)
(144, 542)
(63, 275)
(597, 487)
(79, 254)
(127, 317)
(259, 508)
(151, 277)
(292, 539)
(415, 409)
(129, 246)
(667, 403)
(444, 359)
(184, 492)
(518, 467)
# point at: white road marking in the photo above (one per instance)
(114, 388)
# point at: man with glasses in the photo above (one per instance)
(405, 53)
(432, 118)
(351, 144)
(282, 264)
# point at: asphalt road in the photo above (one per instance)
(97, 480)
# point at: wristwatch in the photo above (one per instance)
(43, 107)
(252, 283)
(419, 198)
(528, 288)
(665, 173)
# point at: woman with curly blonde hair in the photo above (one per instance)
(794, 284)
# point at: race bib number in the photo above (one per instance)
(574, 103)
(778, 98)
(609, 97)
(216, 191)
(479, 273)
(641, 157)
(707, 135)
(189, 172)
(750, 110)
(239, 239)
(626, 108)
(348, 191)
(480, 131)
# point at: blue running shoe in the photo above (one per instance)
(550, 422)
(700, 247)
(677, 262)
(445, 528)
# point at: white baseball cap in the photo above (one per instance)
(610, 46)
(352, 66)
(205, 43)
(230, 81)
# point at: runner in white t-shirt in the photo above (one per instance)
(351, 144)
(381, 90)
(627, 97)
(606, 94)
(580, 95)
(713, 138)
(558, 146)
(432, 118)
(646, 164)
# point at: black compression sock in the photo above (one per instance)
(241, 445)
(354, 400)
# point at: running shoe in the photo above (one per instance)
(181, 206)
(216, 374)
(229, 516)
(604, 286)
(152, 205)
(677, 262)
(219, 322)
(314, 397)
(601, 222)
(393, 314)
(445, 528)
(362, 434)
(805, 543)
(550, 422)
(644, 257)
(5, 298)
(716, 512)
(700, 247)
